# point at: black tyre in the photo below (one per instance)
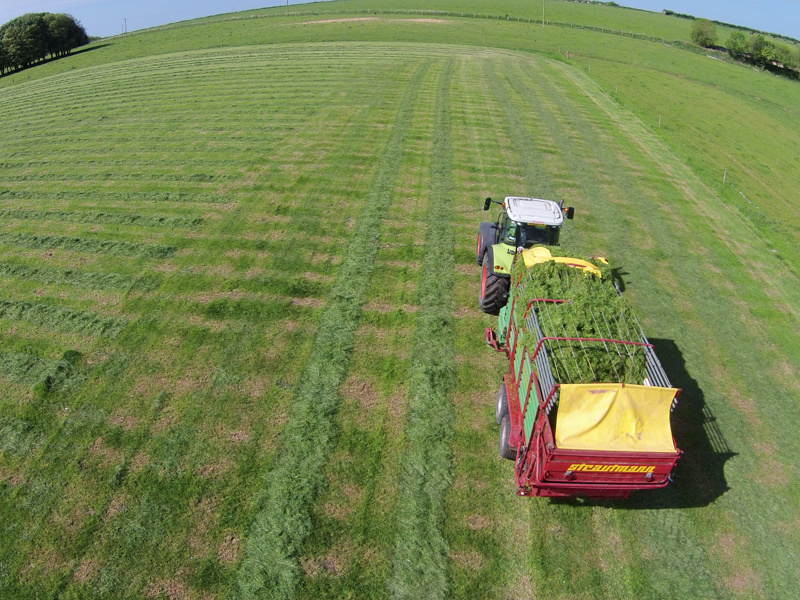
(506, 451)
(493, 292)
(501, 407)
(485, 238)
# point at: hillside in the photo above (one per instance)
(239, 336)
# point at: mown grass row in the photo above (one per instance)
(61, 319)
(90, 245)
(271, 565)
(51, 375)
(420, 551)
(558, 537)
(102, 218)
(77, 278)
(153, 175)
(531, 159)
(106, 197)
(485, 524)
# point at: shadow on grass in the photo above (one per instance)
(618, 277)
(55, 58)
(699, 476)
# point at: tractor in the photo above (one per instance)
(523, 223)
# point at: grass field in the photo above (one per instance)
(239, 339)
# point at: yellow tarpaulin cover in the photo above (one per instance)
(610, 416)
(540, 254)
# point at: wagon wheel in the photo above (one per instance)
(506, 450)
(501, 406)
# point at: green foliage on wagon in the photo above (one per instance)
(593, 309)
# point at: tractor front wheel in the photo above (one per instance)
(493, 293)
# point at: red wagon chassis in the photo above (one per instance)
(542, 468)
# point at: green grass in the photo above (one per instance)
(239, 340)
(271, 566)
(421, 552)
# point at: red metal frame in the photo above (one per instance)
(527, 310)
(542, 469)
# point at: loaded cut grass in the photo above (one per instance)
(591, 308)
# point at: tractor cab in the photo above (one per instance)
(523, 223)
(526, 222)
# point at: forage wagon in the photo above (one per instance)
(584, 407)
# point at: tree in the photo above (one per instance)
(704, 33)
(25, 39)
(761, 49)
(737, 45)
(31, 37)
(77, 34)
(3, 56)
(783, 55)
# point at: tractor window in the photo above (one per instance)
(533, 234)
(512, 233)
(502, 227)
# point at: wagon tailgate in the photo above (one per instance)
(641, 469)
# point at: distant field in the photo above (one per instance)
(239, 336)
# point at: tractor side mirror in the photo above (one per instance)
(487, 204)
(570, 212)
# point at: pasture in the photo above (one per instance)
(239, 340)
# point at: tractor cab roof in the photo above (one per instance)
(534, 211)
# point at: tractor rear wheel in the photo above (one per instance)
(506, 451)
(493, 292)
(501, 408)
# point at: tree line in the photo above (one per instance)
(758, 50)
(29, 39)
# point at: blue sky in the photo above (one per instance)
(106, 17)
(774, 16)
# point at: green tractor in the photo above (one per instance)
(523, 223)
